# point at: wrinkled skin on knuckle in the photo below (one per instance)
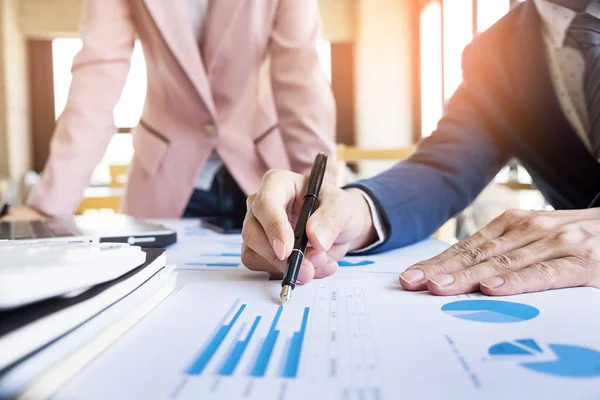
(501, 263)
(547, 272)
(537, 223)
(461, 247)
(465, 275)
(588, 253)
(431, 269)
(472, 257)
(512, 215)
(518, 279)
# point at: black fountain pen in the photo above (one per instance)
(311, 197)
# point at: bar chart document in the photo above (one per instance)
(354, 336)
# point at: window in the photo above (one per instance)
(129, 107)
(446, 28)
(490, 11)
(127, 112)
(432, 98)
(324, 52)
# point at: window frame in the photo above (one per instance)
(418, 117)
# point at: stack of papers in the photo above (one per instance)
(25, 331)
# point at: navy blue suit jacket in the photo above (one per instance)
(506, 107)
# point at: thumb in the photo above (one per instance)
(270, 207)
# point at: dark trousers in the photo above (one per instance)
(224, 199)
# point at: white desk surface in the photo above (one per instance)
(381, 344)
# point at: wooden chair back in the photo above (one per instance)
(347, 154)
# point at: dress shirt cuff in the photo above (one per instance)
(379, 227)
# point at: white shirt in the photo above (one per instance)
(567, 70)
(197, 11)
(566, 64)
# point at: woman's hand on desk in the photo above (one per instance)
(22, 214)
(518, 252)
(341, 222)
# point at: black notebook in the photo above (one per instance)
(24, 330)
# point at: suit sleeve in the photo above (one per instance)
(451, 167)
(303, 97)
(86, 126)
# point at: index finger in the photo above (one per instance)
(493, 230)
(416, 276)
(273, 205)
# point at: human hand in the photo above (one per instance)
(518, 252)
(22, 214)
(341, 222)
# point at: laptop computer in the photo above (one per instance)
(105, 228)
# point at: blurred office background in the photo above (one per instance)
(392, 64)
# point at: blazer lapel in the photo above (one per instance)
(221, 16)
(172, 22)
(550, 131)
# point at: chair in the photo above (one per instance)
(346, 154)
(105, 197)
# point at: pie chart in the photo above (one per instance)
(491, 311)
(569, 361)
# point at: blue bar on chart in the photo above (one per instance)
(232, 361)
(213, 265)
(215, 342)
(221, 254)
(292, 361)
(266, 351)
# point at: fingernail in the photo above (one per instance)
(492, 283)
(279, 248)
(443, 280)
(413, 276)
(323, 236)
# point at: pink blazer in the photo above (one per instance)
(257, 95)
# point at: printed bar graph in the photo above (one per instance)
(290, 369)
(264, 355)
(214, 265)
(222, 254)
(215, 342)
(237, 351)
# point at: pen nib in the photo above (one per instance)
(286, 293)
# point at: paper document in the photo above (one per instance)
(200, 249)
(353, 336)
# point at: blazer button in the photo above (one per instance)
(210, 130)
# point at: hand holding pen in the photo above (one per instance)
(341, 222)
(311, 198)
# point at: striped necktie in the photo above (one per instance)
(584, 34)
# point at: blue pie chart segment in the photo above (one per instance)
(572, 362)
(491, 311)
(569, 361)
(508, 349)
